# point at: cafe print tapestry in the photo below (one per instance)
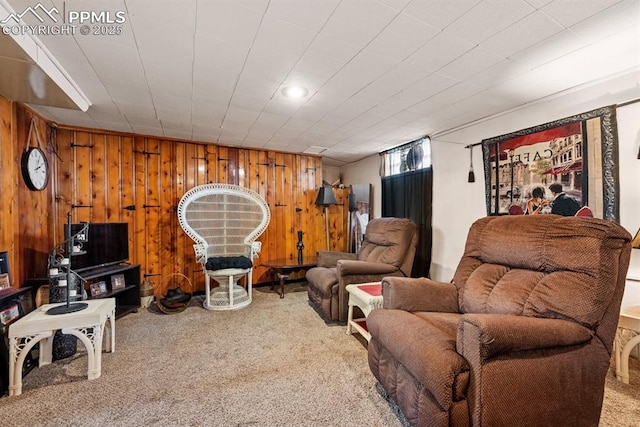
(579, 153)
(536, 160)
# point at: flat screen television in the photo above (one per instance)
(107, 244)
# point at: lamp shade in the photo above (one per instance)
(326, 196)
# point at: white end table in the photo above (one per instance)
(39, 327)
(366, 296)
(627, 337)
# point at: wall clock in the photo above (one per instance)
(35, 168)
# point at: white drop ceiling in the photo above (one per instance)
(379, 72)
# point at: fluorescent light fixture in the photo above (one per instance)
(295, 92)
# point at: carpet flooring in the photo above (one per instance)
(274, 363)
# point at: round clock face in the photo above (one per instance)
(35, 168)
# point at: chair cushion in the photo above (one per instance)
(413, 338)
(323, 279)
(387, 240)
(222, 262)
(538, 270)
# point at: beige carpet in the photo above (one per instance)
(274, 363)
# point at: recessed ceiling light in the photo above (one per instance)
(295, 92)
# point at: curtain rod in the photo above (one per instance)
(623, 104)
(473, 145)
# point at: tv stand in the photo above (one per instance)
(128, 297)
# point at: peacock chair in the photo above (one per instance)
(224, 221)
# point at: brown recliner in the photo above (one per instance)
(523, 334)
(388, 249)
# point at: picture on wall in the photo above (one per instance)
(536, 161)
(359, 215)
(579, 153)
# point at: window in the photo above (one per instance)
(407, 190)
(412, 156)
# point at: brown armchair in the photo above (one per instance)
(388, 249)
(523, 334)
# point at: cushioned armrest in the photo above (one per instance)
(330, 258)
(347, 267)
(501, 333)
(421, 294)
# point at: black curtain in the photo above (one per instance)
(409, 195)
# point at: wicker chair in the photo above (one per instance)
(224, 220)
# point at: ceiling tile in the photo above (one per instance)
(231, 20)
(212, 120)
(396, 4)
(235, 114)
(281, 37)
(118, 126)
(488, 18)
(445, 98)
(176, 116)
(568, 13)
(281, 107)
(617, 18)
(523, 34)
(358, 73)
(538, 3)
(402, 37)
(439, 13)
(558, 45)
(357, 22)
(180, 134)
(210, 51)
(271, 121)
(438, 52)
(212, 131)
(169, 84)
(137, 110)
(470, 63)
(422, 90)
(308, 14)
(257, 84)
(143, 121)
(502, 71)
(148, 130)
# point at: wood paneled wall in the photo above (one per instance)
(114, 177)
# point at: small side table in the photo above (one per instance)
(39, 327)
(282, 268)
(627, 337)
(366, 296)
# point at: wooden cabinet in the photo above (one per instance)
(127, 297)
